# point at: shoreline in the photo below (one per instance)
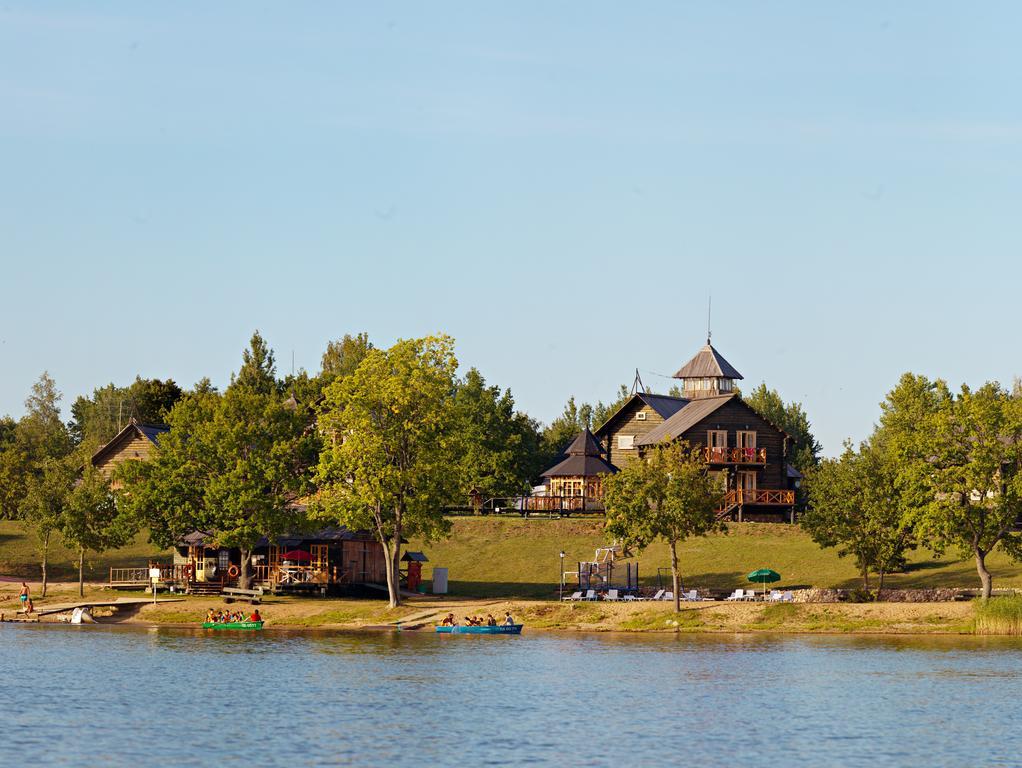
(420, 615)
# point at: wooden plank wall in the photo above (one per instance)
(626, 423)
(735, 416)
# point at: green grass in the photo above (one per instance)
(998, 616)
(513, 557)
(20, 552)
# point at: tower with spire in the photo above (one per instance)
(707, 374)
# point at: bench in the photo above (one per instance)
(253, 596)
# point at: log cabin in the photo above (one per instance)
(136, 442)
(743, 448)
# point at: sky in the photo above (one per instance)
(559, 186)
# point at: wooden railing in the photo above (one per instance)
(140, 576)
(735, 455)
(742, 496)
(557, 504)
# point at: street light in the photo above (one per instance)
(561, 593)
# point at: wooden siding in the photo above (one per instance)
(736, 416)
(626, 423)
(134, 448)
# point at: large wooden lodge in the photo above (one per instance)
(748, 452)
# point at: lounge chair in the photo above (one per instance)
(738, 594)
(590, 594)
(775, 596)
(612, 595)
(573, 596)
(787, 597)
(658, 595)
(631, 598)
(692, 596)
(668, 596)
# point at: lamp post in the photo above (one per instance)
(561, 579)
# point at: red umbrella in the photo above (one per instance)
(297, 555)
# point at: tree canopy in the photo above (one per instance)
(668, 495)
(385, 465)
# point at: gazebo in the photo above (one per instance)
(577, 480)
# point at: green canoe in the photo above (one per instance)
(232, 625)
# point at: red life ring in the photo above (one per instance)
(233, 571)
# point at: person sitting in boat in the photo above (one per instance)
(473, 621)
(255, 615)
(449, 621)
(508, 620)
(490, 621)
(210, 616)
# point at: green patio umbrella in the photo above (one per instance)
(764, 576)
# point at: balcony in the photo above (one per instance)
(762, 497)
(735, 455)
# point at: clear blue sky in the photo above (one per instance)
(557, 185)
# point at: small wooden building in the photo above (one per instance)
(321, 561)
(135, 442)
(575, 484)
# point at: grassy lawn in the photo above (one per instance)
(519, 558)
(512, 557)
(20, 552)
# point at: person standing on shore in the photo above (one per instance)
(26, 599)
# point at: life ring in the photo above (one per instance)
(233, 571)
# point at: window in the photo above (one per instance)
(625, 442)
(745, 438)
(223, 559)
(716, 443)
(640, 416)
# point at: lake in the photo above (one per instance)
(129, 696)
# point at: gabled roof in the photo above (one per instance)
(685, 419)
(665, 405)
(708, 362)
(133, 429)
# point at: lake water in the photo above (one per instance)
(134, 697)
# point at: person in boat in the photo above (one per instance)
(210, 616)
(508, 620)
(473, 621)
(255, 615)
(490, 621)
(449, 621)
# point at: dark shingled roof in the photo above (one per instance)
(585, 444)
(793, 473)
(581, 466)
(685, 419)
(585, 459)
(329, 535)
(665, 405)
(707, 362)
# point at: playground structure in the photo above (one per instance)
(600, 573)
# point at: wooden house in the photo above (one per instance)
(743, 448)
(575, 482)
(133, 443)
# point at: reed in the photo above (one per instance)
(998, 616)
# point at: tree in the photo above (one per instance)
(41, 434)
(668, 495)
(13, 469)
(232, 465)
(856, 507)
(96, 419)
(342, 357)
(258, 372)
(603, 412)
(804, 449)
(562, 430)
(91, 519)
(495, 445)
(973, 467)
(42, 506)
(386, 463)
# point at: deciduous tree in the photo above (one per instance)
(669, 496)
(386, 464)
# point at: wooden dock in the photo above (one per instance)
(45, 610)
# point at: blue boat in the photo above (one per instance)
(500, 629)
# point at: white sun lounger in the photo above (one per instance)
(738, 594)
(573, 596)
(692, 596)
(612, 595)
(590, 594)
(658, 595)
